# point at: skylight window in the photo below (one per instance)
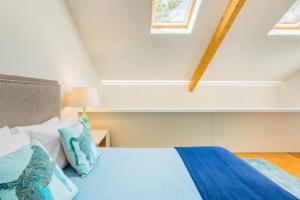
(174, 16)
(289, 23)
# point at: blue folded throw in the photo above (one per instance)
(220, 175)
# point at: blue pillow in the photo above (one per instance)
(79, 147)
(31, 173)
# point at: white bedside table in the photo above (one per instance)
(101, 137)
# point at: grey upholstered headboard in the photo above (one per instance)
(25, 101)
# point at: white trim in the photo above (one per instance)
(171, 30)
(185, 82)
(145, 82)
(284, 32)
(240, 83)
(200, 110)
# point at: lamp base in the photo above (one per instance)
(84, 117)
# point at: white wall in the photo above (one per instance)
(245, 131)
(39, 39)
(289, 91)
(177, 96)
(239, 132)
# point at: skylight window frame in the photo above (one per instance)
(287, 28)
(183, 25)
(177, 28)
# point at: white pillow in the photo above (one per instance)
(4, 132)
(53, 122)
(47, 134)
(12, 143)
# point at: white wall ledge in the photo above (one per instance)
(203, 110)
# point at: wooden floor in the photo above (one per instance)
(289, 162)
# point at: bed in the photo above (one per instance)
(191, 173)
(129, 173)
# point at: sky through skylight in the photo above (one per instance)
(171, 11)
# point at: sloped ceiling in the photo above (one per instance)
(117, 35)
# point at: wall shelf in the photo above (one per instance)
(203, 110)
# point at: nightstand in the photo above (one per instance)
(101, 137)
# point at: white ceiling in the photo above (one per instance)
(117, 35)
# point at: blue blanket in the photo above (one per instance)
(220, 175)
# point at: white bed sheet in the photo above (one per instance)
(131, 174)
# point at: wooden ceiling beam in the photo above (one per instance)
(227, 20)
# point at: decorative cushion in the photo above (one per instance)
(30, 173)
(79, 147)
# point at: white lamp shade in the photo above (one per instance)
(83, 97)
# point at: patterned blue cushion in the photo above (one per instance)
(30, 173)
(79, 147)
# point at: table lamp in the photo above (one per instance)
(83, 97)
